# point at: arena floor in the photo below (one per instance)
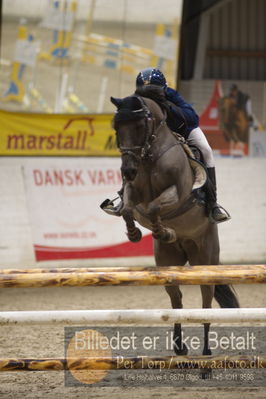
(45, 341)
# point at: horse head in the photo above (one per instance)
(134, 125)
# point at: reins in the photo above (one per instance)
(142, 152)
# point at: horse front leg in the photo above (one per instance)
(160, 232)
(166, 199)
(134, 234)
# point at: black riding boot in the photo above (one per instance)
(217, 213)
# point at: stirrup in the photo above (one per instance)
(109, 207)
(225, 216)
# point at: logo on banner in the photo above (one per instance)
(38, 134)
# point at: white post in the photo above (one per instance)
(61, 94)
(102, 95)
(88, 27)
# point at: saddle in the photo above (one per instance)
(196, 162)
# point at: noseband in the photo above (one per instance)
(141, 152)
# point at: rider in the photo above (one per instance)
(242, 101)
(180, 109)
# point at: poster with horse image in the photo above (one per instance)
(230, 123)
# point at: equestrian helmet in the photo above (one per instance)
(151, 76)
(233, 87)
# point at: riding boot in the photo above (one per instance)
(109, 207)
(216, 212)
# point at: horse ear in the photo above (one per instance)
(116, 101)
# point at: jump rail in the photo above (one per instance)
(135, 316)
(229, 274)
(173, 275)
(139, 362)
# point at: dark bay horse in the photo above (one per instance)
(158, 183)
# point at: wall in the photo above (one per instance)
(106, 10)
(235, 47)
(241, 190)
(15, 231)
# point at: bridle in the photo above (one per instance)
(142, 152)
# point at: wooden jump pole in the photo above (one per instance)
(248, 268)
(138, 362)
(134, 316)
(198, 275)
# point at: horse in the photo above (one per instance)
(158, 184)
(234, 123)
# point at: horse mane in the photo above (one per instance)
(129, 108)
(155, 93)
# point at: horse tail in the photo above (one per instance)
(225, 295)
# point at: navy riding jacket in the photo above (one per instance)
(190, 116)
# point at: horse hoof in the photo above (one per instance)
(206, 374)
(135, 236)
(156, 236)
(169, 236)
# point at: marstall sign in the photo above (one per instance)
(25, 134)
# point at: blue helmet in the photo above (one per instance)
(151, 76)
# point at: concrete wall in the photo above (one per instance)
(242, 191)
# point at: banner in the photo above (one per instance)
(63, 198)
(24, 134)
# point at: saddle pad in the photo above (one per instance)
(200, 174)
